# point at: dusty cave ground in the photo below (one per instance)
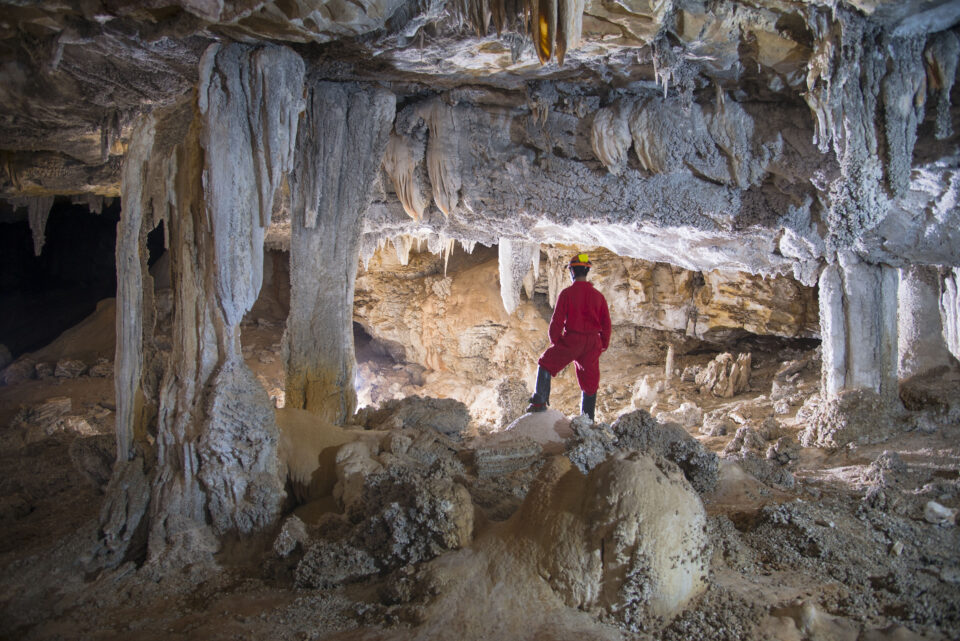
(806, 543)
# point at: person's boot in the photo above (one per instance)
(588, 404)
(541, 397)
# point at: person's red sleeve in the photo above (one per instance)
(604, 324)
(559, 319)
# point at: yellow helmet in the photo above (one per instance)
(580, 260)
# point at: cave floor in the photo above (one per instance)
(837, 554)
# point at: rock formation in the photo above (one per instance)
(740, 172)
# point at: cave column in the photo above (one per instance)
(217, 436)
(214, 168)
(858, 323)
(921, 336)
(340, 146)
(950, 310)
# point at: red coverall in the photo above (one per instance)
(579, 332)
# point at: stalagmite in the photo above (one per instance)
(516, 259)
(950, 310)
(340, 147)
(128, 363)
(922, 347)
(858, 322)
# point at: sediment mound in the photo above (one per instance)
(629, 538)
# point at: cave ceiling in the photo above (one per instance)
(765, 136)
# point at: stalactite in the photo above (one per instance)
(38, 211)
(903, 93)
(400, 162)
(109, 132)
(610, 138)
(402, 245)
(941, 55)
(443, 155)
(554, 26)
(516, 258)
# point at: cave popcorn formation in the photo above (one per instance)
(759, 169)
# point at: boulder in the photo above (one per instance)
(408, 516)
(628, 539)
(444, 415)
(23, 369)
(69, 368)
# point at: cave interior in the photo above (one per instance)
(276, 275)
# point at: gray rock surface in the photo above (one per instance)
(638, 431)
(446, 416)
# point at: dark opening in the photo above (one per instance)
(41, 296)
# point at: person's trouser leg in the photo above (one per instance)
(588, 404)
(541, 396)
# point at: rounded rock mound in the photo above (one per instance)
(628, 538)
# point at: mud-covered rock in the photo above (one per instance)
(688, 415)
(784, 450)
(445, 415)
(292, 533)
(93, 456)
(103, 368)
(505, 457)
(590, 444)
(857, 416)
(326, 564)
(44, 370)
(717, 423)
(767, 471)
(408, 516)
(745, 440)
(640, 431)
(69, 368)
(22, 369)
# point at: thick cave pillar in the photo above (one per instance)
(858, 325)
(858, 321)
(340, 147)
(219, 163)
(922, 345)
(950, 310)
(929, 373)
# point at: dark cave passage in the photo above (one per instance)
(41, 296)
